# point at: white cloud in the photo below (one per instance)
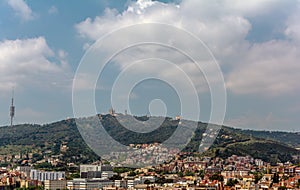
(253, 8)
(250, 68)
(293, 25)
(41, 77)
(22, 9)
(140, 12)
(269, 67)
(30, 63)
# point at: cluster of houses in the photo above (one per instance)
(190, 173)
(34, 156)
(135, 156)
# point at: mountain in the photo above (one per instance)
(46, 139)
(289, 138)
(39, 140)
(269, 149)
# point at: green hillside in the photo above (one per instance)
(292, 139)
(47, 139)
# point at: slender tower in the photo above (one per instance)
(12, 109)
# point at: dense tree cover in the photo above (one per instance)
(132, 173)
(120, 170)
(48, 138)
(44, 165)
(257, 177)
(232, 182)
(288, 138)
(161, 180)
(115, 177)
(126, 136)
(74, 175)
(282, 188)
(275, 178)
(188, 173)
(230, 141)
(216, 176)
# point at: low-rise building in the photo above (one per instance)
(89, 170)
(88, 184)
(55, 184)
(24, 169)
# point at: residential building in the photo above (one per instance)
(25, 169)
(55, 184)
(46, 175)
(90, 171)
(88, 184)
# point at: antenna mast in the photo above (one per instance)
(12, 109)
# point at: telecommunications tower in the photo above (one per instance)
(12, 109)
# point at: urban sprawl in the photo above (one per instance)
(186, 171)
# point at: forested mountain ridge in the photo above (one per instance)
(49, 138)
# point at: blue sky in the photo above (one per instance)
(256, 44)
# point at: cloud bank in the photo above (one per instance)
(265, 67)
(21, 9)
(31, 62)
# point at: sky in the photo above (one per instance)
(256, 45)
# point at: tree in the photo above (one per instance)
(44, 165)
(180, 174)
(216, 176)
(201, 174)
(122, 169)
(232, 183)
(163, 180)
(132, 173)
(282, 188)
(115, 177)
(257, 177)
(189, 173)
(275, 178)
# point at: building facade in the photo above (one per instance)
(46, 175)
(55, 184)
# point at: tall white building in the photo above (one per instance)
(46, 175)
